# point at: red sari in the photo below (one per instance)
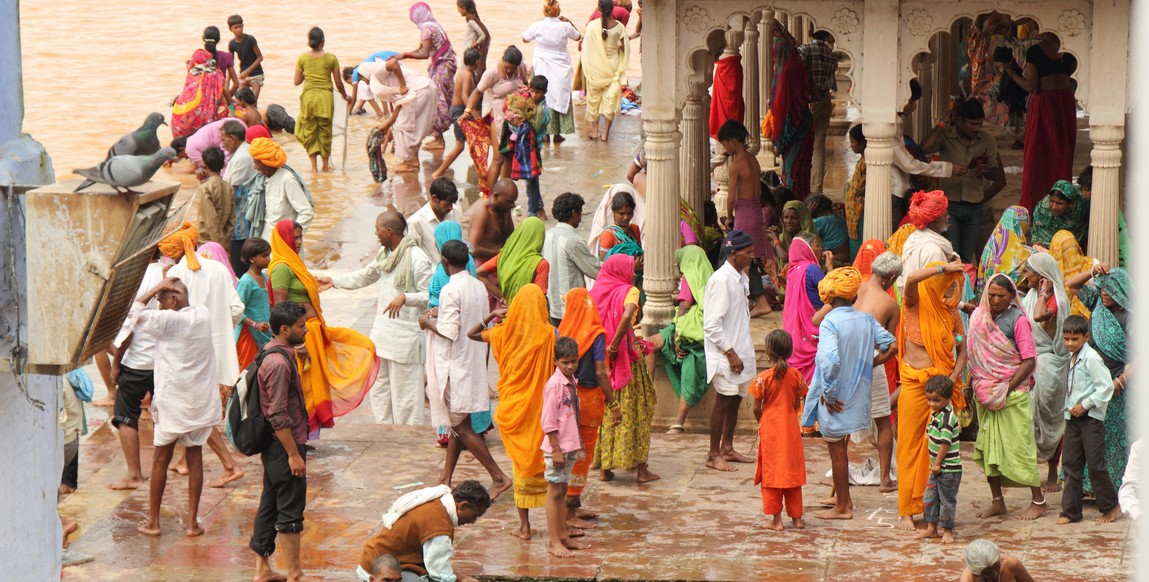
(726, 100)
(201, 100)
(1050, 138)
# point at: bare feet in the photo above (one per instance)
(106, 401)
(774, 524)
(234, 475)
(126, 484)
(720, 464)
(1110, 516)
(558, 550)
(541, 215)
(585, 514)
(1033, 512)
(830, 501)
(1051, 486)
(194, 531)
(594, 135)
(1064, 520)
(799, 523)
(181, 467)
(579, 523)
(761, 307)
(558, 139)
(835, 513)
(575, 533)
(927, 533)
(149, 529)
(887, 486)
(499, 487)
(645, 475)
(607, 475)
(906, 523)
(70, 527)
(576, 544)
(736, 457)
(435, 144)
(269, 576)
(438, 173)
(947, 536)
(406, 167)
(995, 508)
(676, 429)
(65, 490)
(523, 533)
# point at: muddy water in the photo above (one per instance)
(94, 70)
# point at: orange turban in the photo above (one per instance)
(182, 243)
(267, 152)
(926, 207)
(841, 283)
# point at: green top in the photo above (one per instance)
(944, 428)
(696, 269)
(282, 277)
(520, 257)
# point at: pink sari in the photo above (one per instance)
(614, 282)
(993, 359)
(215, 252)
(798, 311)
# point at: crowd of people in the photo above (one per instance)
(1027, 347)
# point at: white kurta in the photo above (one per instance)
(456, 359)
(726, 324)
(552, 60)
(284, 199)
(211, 287)
(421, 225)
(419, 105)
(141, 353)
(186, 396)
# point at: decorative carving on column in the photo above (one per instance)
(694, 161)
(1071, 22)
(750, 86)
(879, 154)
(766, 60)
(696, 18)
(661, 224)
(722, 178)
(920, 22)
(1105, 202)
(845, 21)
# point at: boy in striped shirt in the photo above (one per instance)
(945, 455)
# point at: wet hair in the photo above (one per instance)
(887, 265)
(733, 129)
(779, 347)
(709, 213)
(233, 128)
(213, 159)
(181, 143)
(823, 35)
(1003, 281)
(444, 189)
(605, 7)
(539, 83)
(856, 134)
(385, 563)
(210, 40)
(233, 20)
(285, 313)
(565, 347)
(347, 72)
(972, 110)
(471, 57)
(565, 205)
(818, 204)
(468, 6)
(1075, 324)
(622, 200)
(1085, 178)
(246, 95)
(456, 254)
(513, 56)
(473, 493)
(315, 38)
(253, 247)
(940, 385)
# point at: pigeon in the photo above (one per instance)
(141, 142)
(125, 171)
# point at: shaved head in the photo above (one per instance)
(175, 298)
(393, 220)
(504, 194)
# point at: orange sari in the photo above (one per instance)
(582, 324)
(938, 326)
(524, 347)
(341, 364)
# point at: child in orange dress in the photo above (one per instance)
(781, 468)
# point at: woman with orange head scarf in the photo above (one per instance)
(339, 364)
(931, 343)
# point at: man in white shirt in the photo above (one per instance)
(283, 194)
(729, 349)
(928, 212)
(457, 366)
(440, 207)
(239, 173)
(404, 273)
(570, 258)
(185, 406)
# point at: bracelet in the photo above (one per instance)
(613, 405)
(941, 270)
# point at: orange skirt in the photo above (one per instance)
(341, 367)
(246, 347)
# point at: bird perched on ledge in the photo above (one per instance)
(142, 141)
(125, 172)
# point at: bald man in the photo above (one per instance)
(491, 220)
(403, 272)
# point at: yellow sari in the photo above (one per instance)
(604, 63)
(524, 347)
(1072, 262)
(341, 364)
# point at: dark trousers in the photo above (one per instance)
(1084, 445)
(71, 474)
(534, 195)
(940, 499)
(237, 263)
(756, 272)
(899, 208)
(282, 503)
(965, 229)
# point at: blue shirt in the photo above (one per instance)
(379, 56)
(843, 370)
(1090, 384)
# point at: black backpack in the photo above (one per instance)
(247, 429)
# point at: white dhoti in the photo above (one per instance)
(397, 395)
(879, 393)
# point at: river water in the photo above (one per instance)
(94, 70)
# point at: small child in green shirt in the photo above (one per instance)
(945, 455)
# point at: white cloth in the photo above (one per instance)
(186, 397)
(397, 394)
(905, 164)
(572, 263)
(726, 324)
(552, 60)
(397, 339)
(603, 217)
(879, 393)
(409, 501)
(1051, 381)
(363, 89)
(241, 169)
(141, 353)
(1127, 495)
(284, 199)
(211, 288)
(455, 359)
(71, 412)
(419, 105)
(421, 225)
(922, 248)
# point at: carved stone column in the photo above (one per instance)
(1105, 203)
(750, 86)
(722, 178)
(766, 80)
(879, 154)
(880, 81)
(694, 159)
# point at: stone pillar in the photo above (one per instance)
(766, 80)
(722, 179)
(1108, 88)
(750, 87)
(659, 121)
(694, 159)
(880, 81)
(1106, 197)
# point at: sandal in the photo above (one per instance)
(676, 429)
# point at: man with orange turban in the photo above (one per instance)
(284, 195)
(928, 243)
(839, 395)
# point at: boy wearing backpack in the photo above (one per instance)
(284, 471)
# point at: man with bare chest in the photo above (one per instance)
(744, 207)
(491, 220)
(874, 298)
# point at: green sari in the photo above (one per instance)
(688, 374)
